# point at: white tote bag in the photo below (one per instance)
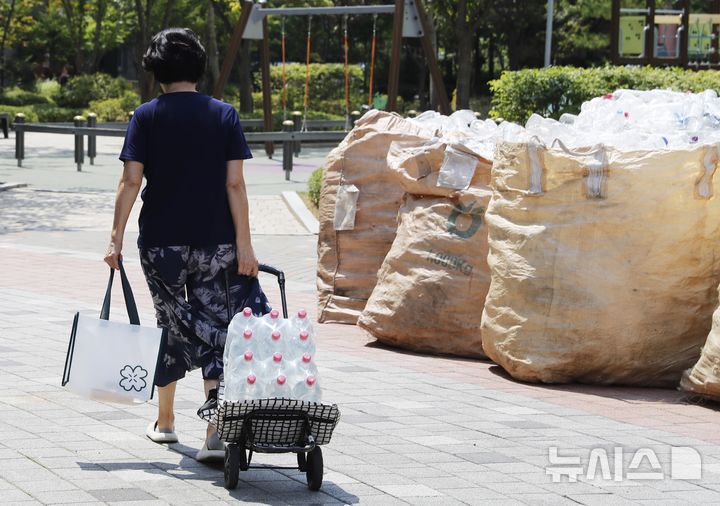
(112, 361)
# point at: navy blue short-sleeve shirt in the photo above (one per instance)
(184, 140)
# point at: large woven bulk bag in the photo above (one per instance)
(433, 281)
(359, 202)
(604, 263)
(704, 378)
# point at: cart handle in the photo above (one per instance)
(281, 282)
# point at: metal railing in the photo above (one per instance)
(291, 137)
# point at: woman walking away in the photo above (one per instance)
(194, 241)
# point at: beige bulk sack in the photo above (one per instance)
(604, 264)
(704, 378)
(432, 285)
(359, 202)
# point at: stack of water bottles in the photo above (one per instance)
(269, 357)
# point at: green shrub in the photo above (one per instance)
(315, 185)
(30, 114)
(83, 89)
(326, 90)
(557, 90)
(114, 109)
(50, 113)
(18, 96)
(49, 89)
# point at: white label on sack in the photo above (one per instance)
(536, 169)
(704, 185)
(457, 170)
(596, 174)
(345, 207)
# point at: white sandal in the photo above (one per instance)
(160, 435)
(213, 449)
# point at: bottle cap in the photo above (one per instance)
(276, 335)
(281, 379)
(247, 334)
(251, 379)
(247, 312)
(310, 380)
(306, 358)
(277, 357)
(274, 314)
(248, 355)
(302, 314)
(304, 335)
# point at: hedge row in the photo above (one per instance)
(556, 90)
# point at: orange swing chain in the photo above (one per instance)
(372, 61)
(347, 75)
(307, 75)
(284, 82)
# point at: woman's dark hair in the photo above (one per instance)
(175, 54)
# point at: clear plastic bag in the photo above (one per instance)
(457, 170)
(345, 207)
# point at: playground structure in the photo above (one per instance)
(663, 32)
(409, 20)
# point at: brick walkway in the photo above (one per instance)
(415, 429)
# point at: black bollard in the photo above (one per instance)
(92, 140)
(79, 121)
(412, 113)
(354, 116)
(288, 126)
(19, 138)
(478, 115)
(297, 126)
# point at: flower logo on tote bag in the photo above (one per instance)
(133, 378)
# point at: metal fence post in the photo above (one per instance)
(79, 121)
(288, 126)
(19, 138)
(297, 126)
(92, 140)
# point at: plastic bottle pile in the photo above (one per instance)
(270, 357)
(627, 120)
(632, 120)
(462, 127)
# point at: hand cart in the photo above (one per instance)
(273, 426)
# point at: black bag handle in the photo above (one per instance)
(281, 282)
(127, 293)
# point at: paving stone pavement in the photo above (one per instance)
(415, 429)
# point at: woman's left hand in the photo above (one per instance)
(247, 263)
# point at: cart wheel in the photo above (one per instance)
(314, 470)
(302, 462)
(232, 466)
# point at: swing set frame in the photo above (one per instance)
(409, 20)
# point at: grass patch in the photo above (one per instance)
(305, 196)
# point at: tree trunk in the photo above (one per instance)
(3, 41)
(146, 81)
(100, 11)
(212, 49)
(245, 75)
(464, 36)
(491, 56)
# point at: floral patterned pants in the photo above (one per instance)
(196, 292)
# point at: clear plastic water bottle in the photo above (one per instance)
(301, 321)
(279, 386)
(238, 324)
(305, 366)
(300, 344)
(250, 388)
(307, 390)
